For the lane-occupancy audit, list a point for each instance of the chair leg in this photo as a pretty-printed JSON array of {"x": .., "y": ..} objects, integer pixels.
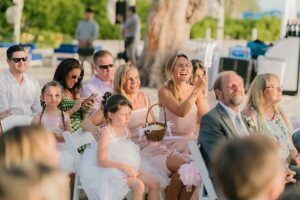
[{"x": 76, "y": 189}]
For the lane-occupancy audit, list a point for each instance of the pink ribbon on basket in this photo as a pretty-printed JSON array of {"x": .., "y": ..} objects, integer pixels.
[
  {"x": 170, "y": 124},
  {"x": 141, "y": 132}
]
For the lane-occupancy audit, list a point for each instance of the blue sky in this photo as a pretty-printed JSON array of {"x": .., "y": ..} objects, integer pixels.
[{"x": 274, "y": 4}]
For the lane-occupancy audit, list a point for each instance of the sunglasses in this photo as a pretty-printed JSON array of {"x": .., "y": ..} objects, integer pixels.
[
  {"x": 106, "y": 66},
  {"x": 76, "y": 77},
  {"x": 17, "y": 60}
]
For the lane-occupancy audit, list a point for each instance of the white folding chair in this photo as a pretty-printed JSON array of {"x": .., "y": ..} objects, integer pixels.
[
  {"x": 74, "y": 141},
  {"x": 15, "y": 120},
  {"x": 206, "y": 181}
]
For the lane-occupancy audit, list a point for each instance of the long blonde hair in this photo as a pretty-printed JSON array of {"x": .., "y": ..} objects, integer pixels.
[
  {"x": 21, "y": 144},
  {"x": 120, "y": 77},
  {"x": 169, "y": 69},
  {"x": 256, "y": 97}
]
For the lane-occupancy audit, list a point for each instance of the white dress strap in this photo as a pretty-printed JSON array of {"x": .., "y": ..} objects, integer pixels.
[
  {"x": 109, "y": 132},
  {"x": 127, "y": 132}
]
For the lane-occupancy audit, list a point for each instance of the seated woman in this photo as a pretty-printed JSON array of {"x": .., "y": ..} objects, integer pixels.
[
  {"x": 185, "y": 103},
  {"x": 263, "y": 114},
  {"x": 127, "y": 83},
  {"x": 200, "y": 71},
  {"x": 69, "y": 74}
]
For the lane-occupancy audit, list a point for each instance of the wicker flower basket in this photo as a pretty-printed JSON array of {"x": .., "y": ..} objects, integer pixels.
[{"x": 158, "y": 130}]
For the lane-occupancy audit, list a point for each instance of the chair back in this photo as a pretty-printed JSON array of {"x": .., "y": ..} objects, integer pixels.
[
  {"x": 15, "y": 120},
  {"x": 206, "y": 181},
  {"x": 75, "y": 140}
]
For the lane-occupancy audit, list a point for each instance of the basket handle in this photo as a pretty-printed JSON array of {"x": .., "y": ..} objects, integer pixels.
[{"x": 160, "y": 105}]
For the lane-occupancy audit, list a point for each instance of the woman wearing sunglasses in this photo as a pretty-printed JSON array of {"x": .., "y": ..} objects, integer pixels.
[{"x": 69, "y": 74}]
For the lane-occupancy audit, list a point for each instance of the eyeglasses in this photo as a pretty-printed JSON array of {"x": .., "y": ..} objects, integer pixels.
[
  {"x": 17, "y": 60},
  {"x": 106, "y": 66}
]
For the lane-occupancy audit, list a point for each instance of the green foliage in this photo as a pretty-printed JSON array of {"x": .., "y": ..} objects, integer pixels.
[
  {"x": 48, "y": 23},
  {"x": 143, "y": 8},
  {"x": 5, "y": 29},
  {"x": 58, "y": 16},
  {"x": 268, "y": 28},
  {"x": 198, "y": 29}
]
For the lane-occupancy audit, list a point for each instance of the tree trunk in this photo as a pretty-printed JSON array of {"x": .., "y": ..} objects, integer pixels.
[
  {"x": 168, "y": 27},
  {"x": 234, "y": 8}
]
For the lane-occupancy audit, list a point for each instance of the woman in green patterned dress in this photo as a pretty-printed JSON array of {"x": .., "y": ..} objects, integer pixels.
[{"x": 69, "y": 74}]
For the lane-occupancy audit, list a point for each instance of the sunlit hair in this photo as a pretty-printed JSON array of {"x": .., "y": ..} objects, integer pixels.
[
  {"x": 169, "y": 69},
  {"x": 100, "y": 54},
  {"x": 121, "y": 76},
  {"x": 112, "y": 102},
  {"x": 62, "y": 71},
  {"x": 256, "y": 97},
  {"x": 197, "y": 64},
  {"x": 219, "y": 80},
  {"x": 246, "y": 167},
  {"x": 11, "y": 50},
  {"x": 21, "y": 182},
  {"x": 23, "y": 143}
]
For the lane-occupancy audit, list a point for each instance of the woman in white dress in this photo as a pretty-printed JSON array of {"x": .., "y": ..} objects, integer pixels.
[{"x": 112, "y": 167}]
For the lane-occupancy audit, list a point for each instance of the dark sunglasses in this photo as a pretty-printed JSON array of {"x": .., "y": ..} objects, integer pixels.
[
  {"x": 16, "y": 60},
  {"x": 106, "y": 66},
  {"x": 76, "y": 77}
]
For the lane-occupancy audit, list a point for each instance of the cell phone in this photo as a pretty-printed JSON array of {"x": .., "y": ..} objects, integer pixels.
[{"x": 91, "y": 97}]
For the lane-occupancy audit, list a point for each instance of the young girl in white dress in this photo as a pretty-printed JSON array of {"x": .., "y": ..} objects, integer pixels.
[
  {"x": 113, "y": 166},
  {"x": 56, "y": 121}
]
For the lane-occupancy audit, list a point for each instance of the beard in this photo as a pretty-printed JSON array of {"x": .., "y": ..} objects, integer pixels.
[{"x": 236, "y": 100}]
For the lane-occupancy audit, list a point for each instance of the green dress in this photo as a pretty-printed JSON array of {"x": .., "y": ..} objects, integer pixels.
[
  {"x": 277, "y": 129},
  {"x": 77, "y": 117}
]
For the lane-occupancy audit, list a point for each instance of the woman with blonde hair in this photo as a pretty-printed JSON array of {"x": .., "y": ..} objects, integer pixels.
[
  {"x": 185, "y": 103},
  {"x": 263, "y": 114},
  {"x": 31, "y": 181},
  {"x": 163, "y": 163},
  {"x": 26, "y": 143}
]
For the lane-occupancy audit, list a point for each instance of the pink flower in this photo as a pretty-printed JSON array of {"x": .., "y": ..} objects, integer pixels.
[{"x": 189, "y": 175}]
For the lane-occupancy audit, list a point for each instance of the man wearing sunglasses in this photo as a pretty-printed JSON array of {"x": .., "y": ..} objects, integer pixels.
[
  {"x": 19, "y": 92},
  {"x": 102, "y": 81}
]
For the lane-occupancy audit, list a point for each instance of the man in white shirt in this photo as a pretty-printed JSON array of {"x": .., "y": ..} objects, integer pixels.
[
  {"x": 19, "y": 93},
  {"x": 102, "y": 81}
]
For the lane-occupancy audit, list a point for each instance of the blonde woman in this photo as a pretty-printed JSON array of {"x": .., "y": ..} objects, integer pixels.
[
  {"x": 27, "y": 143},
  {"x": 164, "y": 164},
  {"x": 33, "y": 180},
  {"x": 264, "y": 115},
  {"x": 185, "y": 103}
]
